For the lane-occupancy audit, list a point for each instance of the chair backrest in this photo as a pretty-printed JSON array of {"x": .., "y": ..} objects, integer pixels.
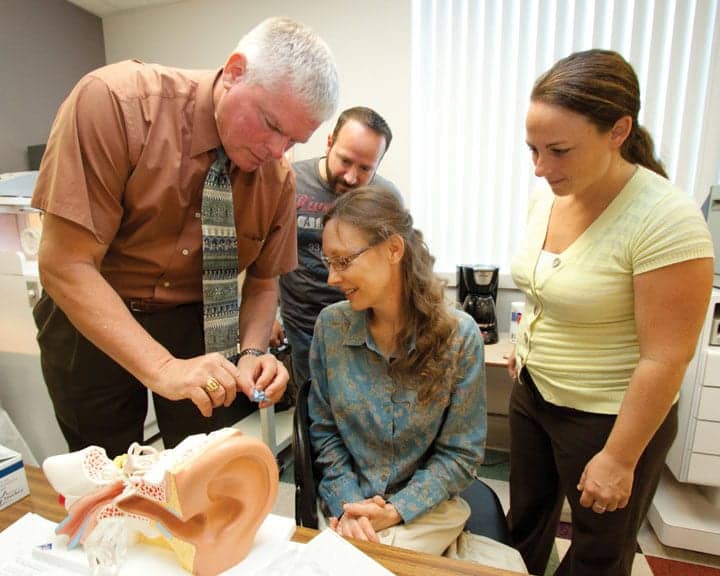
[
  {"x": 487, "y": 517},
  {"x": 305, "y": 483}
]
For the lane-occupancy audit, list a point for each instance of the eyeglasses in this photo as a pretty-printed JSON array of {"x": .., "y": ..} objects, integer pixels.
[{"x": 341, "y": 263}]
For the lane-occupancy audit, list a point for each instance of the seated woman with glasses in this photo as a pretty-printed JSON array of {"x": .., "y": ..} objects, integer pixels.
[{"x": 397, "y": 402}]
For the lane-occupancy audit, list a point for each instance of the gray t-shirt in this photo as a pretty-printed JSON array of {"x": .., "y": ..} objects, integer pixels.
[{"x": 304, "y": 291}]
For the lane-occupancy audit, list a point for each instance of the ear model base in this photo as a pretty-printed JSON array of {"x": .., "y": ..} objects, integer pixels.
[{"x": 216, "y": 503}]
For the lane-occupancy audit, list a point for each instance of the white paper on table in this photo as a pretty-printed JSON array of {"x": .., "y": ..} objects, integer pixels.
[
  {"x": 328, "y": 554},
  {"x": 338, "y": 556},
  {"x": 20, "y": 540},
  {"x": 16, "y": 543},
  {"x": 21, "y": 566}
]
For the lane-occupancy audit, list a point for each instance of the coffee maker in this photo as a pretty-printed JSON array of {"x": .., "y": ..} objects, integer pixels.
[{"x": 477, "y": 286}]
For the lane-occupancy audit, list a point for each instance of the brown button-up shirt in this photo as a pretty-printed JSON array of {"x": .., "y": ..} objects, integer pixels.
[{"x": 127, "y": 158}]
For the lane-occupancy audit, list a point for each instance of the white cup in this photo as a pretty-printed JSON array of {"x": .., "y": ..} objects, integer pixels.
[{"x": 517, "y": 309}]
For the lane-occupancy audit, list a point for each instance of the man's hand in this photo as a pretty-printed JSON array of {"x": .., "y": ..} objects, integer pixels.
[
  {"x": 277, "y": 336},
  {"x": 179, "y": 379},
  {"x": 262, "y": 373}
]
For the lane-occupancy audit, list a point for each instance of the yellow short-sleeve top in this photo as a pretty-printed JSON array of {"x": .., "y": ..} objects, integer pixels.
[{"x": 578, "y": 336}]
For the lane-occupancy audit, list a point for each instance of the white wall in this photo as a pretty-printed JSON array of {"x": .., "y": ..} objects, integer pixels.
[{"x": 370, "y": 41}]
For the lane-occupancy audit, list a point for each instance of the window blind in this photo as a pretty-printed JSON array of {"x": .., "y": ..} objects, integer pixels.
[{"x": 473, "y": 66}]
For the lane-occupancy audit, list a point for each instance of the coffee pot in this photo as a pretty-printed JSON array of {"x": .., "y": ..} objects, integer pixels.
[{"x": 477, "y": 293}]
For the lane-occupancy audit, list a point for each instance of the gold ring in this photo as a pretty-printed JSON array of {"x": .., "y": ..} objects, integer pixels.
[{"x": 211, "y": 385}]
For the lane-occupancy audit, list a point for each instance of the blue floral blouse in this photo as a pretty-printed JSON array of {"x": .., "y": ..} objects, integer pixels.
[{"x": 370, "y": 436}]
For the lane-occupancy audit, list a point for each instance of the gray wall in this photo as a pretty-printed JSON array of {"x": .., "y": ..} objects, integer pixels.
[{"x": 46, "y": 46}]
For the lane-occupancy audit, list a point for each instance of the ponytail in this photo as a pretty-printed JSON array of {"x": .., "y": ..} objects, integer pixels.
[{"x": 638, "y": 149}]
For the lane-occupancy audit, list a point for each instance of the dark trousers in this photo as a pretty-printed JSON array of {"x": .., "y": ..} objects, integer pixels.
[
  {"x": 299, "y": 341},
  {"x": 549, "y": 448},
  {"x": 99, "y": 403}
]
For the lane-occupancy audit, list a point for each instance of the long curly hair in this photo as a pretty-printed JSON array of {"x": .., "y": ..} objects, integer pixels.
[{"x": 428, "y": 367}]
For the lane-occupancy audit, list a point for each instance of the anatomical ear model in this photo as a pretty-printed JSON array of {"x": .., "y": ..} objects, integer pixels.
[{"x": 204, "y": 499}]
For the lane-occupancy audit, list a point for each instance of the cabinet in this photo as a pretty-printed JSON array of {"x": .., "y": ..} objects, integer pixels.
[{"x": 695, "y": 455}]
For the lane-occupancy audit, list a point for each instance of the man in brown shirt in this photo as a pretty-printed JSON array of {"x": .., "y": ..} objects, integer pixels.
[{"x": 121, "y": 252}]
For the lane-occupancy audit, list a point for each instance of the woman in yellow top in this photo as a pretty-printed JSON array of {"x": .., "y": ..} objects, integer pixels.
[{"x": 617, "y": 271}]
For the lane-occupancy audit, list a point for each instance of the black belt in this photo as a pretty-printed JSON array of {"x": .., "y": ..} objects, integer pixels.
[{"x": 148, "y": 306}]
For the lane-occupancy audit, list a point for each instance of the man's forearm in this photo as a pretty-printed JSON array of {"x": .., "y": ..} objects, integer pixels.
[{"x": 98, "y": 312}]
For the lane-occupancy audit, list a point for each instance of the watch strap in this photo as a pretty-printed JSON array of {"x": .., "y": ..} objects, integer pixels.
[{"x": 251, "y": 352}]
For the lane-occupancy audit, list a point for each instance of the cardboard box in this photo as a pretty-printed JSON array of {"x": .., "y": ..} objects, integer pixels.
[{"x": 13, "y": 482}]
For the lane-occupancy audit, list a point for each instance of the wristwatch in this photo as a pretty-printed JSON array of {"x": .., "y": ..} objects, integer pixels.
[{"x": 251, "y": 352}]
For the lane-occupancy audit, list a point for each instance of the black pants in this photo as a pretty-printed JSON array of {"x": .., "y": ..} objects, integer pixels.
[
  {"x": 549, "y": 448},
  {"x": 99, "y": 403}
]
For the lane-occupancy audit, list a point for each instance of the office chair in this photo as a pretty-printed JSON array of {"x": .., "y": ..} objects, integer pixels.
[
  {"x": 487, "y": 517},
  {"x": 305, "y": 482}
]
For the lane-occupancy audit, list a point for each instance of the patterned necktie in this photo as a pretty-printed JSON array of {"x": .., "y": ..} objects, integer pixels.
[{"x": 220, "y": 264}]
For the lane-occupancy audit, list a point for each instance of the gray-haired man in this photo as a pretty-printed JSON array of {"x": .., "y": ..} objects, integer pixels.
[{"x": 121, "y": 253}]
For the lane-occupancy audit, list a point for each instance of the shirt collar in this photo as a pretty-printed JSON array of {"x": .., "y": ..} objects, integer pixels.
[
  {"x": 358, "y": 334},
  {"x": 205, "y": 135}
]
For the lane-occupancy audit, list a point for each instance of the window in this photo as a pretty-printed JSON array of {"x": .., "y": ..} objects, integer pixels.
[{"x": 473, "y": 66}]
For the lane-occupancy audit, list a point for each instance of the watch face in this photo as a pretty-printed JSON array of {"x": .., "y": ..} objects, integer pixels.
[{"x": 30, "y": 241}]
